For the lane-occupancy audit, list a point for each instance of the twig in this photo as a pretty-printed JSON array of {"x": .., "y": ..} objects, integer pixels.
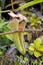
[
  {"x": 4, "y": 11},
  {"x": 17, "y": 31},
  {"x": 3, "y": 46}
]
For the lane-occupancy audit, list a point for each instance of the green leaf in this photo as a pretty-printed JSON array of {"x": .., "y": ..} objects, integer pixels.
[
  {"x": 37, "y": 43},
  {"x": 31, "y": 48},
  {"x": 2, "y": 24},
  {"x": 30, "y": 52},
  {"x": 37, "y": 54},
  {"x": 1, "y": 52},
  {"x": 25, "y": 59},
  {"x": 10, "y": 37},
  {"x": 40, "y": 48},
  {"x": 29, "y": 4}
]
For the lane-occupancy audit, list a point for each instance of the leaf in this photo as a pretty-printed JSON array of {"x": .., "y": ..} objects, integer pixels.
[
  {"x": 34, "y": 20},
  {"x": 31, "y": 48},
  {"x": 30, "y": 52},
  {"x": 26, "y": 5},
  {"x": 2, "y": 24},
  {"x": 40, "y": 48},
  {"x": 25, "y": 59},
  {"x": 1, "y": 52},
  {"x": 10, "y": 37},
  {"x": 37, "y": 43},
  {"x": 37, "y": 54}
]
